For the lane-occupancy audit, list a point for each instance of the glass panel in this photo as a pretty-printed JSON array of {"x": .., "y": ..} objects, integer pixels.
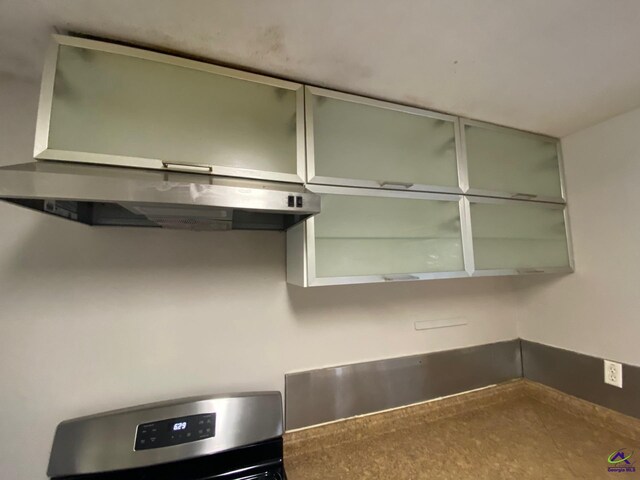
[
  {"x": 512, "y": 162},
  {"x": 356, "y": 141},
  {"x": 518, "y": 235},
  {"x": 120, "y": 105},
  {"x": 358, "y": 235}
]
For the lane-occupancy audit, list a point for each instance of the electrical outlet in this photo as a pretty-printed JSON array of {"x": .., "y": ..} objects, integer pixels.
[{"x": 613, "y": 373}]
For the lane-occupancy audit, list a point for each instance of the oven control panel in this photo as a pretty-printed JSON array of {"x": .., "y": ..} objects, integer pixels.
[{"x": 175, "y": 431}]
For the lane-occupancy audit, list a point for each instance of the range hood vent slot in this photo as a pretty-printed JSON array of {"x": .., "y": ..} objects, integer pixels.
[{"x": 186, "y": 218}]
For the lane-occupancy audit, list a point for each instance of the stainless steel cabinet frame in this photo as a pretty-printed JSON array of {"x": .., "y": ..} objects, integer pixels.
[
  {"x": 383, "y": 183},
  {"x": 521, "y": 271},
  {"x": 469, "y": 190},
  {"x": 301, "y": 248},
  {"x": 42, "y": 150}
]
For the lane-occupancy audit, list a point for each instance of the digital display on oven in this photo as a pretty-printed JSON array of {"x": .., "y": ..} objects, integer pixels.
[
  {"x": 179, "y": 426},
  {"x": 175, "y": 431}
]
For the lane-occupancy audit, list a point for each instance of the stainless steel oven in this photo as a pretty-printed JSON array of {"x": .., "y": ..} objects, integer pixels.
[{"x": 235, "y": 436}]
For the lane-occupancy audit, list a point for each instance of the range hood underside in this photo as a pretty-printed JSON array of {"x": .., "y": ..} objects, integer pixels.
[{"x": 121, "y": 215}]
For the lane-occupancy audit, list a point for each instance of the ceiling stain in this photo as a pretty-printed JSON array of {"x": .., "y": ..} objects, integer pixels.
[{"x": 270, "y": 43}]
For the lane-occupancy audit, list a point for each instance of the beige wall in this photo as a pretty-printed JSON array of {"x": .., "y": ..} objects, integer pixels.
[
  {"x": 99, "y": 318},
  {"x": 595, "y": 310}
]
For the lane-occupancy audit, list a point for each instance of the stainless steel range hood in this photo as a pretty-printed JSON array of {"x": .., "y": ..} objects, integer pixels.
[{"x": 115, "y": 196}]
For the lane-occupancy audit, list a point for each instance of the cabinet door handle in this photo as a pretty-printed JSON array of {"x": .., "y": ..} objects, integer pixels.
[
  {"x": 397, "y": 278},
  {"x": 187, "y": 167},
  {"x": 386, "y": 183},
  {"x": 529, "y": 196}
]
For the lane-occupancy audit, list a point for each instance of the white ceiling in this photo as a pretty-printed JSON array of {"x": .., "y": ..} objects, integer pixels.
[{"x": 553, "y": 66}]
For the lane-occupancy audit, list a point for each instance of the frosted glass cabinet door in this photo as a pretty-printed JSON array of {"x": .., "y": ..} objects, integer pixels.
[
  {"x": 355, "y": 141},
  {"x": 519, "y": 237},
  {"x": 512, "y": 164},
  {"x": 364, "y": 238},
  {"x": 105, "y": 103}
]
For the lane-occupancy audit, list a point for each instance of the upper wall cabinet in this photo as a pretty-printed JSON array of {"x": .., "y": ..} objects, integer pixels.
[
  {"x": 512, "y": 237},
  {"x": 110, "y": 104},
  {"x": 366, "y": 236},
  {"x": 508, "y": 163},
  {"x": 356, "y": 141}
]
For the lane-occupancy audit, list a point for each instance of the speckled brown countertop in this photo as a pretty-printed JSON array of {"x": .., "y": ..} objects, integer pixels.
[{"x": 515, "y": 430}]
